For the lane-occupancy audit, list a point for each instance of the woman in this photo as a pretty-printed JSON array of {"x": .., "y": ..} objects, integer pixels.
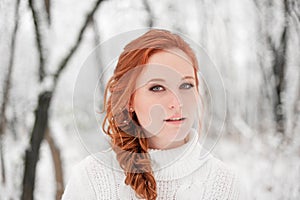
[{"x": 151, "y": 105}]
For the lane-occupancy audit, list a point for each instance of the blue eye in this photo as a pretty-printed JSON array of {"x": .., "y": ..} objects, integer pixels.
[
  {"x": 186, "y": 86},
  {"x": 157, "y": 88}
]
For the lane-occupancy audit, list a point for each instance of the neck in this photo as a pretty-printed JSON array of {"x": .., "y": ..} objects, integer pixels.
[{"x": 154, "y": 143}]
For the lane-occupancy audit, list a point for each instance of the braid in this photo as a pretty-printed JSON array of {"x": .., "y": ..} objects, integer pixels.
[{"x": 130, "y": 145}]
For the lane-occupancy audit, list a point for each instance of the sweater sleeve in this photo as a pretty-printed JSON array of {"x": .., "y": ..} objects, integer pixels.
[{"x": 79, "y": 186}]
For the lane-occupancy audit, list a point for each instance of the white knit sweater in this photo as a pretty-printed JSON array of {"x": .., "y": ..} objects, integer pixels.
[{"x": 186, "y": 172}]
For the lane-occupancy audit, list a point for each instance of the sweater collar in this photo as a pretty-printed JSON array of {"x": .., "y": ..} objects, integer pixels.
[
  {"x": 167, "y": 164},
  {"x": 178, "y": 162}
]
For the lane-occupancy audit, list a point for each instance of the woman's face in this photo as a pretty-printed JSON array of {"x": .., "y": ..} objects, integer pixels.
[{"x": 165, "y": 98}]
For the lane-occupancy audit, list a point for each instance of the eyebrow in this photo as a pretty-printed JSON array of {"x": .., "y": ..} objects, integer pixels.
[
  {"x": 188, "y": 77},
  {"x": 163, "y": 80},
  {"x": 156, "y": 79}
]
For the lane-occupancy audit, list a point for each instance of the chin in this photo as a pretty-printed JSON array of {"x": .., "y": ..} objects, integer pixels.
[{"x": 178, "y": 134}]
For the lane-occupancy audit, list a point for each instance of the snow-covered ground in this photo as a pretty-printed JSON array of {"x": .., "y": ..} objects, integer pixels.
[{"x": 267, "y": 172}]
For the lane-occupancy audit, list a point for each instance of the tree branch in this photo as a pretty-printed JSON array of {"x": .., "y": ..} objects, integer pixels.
[
  {"x": 7, "y": 83},
  {"x": 55, "y": 152},
  {"x": 98, "y": 54},
  {"x": 48, "y": 10},
  {"x": 10, "y": 69},
  {"x": 151, "y": 16},
  {"x": 38, "y": 37},
  {"x": 65, "y": 61}
]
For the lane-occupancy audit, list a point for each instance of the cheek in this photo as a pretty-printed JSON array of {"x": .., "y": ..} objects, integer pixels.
[
  {"x": 190, "y": 104},
  {"x": 149, "y": 111},
  {"x": 142, "y": 107},
  {"x": 142, "y": 110}
]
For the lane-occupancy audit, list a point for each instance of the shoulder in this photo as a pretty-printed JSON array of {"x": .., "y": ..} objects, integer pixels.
[
  {"x": 220, "y": 168},
  {"x": 100, "y": 167},
  {"x": 79, "y": 185},
  {"x": 90, "y": 178},
  {"x": 101, "y": 162}
]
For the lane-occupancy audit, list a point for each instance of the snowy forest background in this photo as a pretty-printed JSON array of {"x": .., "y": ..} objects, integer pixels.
[{"x": 255, "y": 44}]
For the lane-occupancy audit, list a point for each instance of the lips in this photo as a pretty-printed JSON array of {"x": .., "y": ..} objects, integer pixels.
[{"x": 175, "y": 119}]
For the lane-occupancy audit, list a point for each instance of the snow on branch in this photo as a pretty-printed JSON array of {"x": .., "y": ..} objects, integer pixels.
[{"x": 65, "y": 61}]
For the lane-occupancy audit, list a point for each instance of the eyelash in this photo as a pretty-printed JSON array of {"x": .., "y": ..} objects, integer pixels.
[
  {"x": 152, "y": 89},
  {"x": 189, "y": 84}
]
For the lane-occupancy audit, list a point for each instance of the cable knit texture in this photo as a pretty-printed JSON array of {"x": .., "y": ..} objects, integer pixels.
[{"x": 186, "y": 172}]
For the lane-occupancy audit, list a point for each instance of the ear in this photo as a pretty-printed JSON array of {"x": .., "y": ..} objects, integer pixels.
[{"x": 131, "y": 103}]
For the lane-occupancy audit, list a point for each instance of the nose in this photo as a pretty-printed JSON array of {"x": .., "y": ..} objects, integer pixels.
[{"x": 174, "y": 102}]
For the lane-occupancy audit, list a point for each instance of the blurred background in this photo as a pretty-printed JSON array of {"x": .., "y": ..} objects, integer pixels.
[{"x": 254, "y": 44}]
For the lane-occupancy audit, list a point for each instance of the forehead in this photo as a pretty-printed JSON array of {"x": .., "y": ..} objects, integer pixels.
[
  {"x": 171, "y": 65},
  {"x": 175, "y": 59}
]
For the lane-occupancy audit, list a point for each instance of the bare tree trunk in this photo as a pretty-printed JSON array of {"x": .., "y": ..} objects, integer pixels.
[
  {"x": 295, "y": 17},
  {"x": 2, "y": 161},
  {"x": 279, "y": 69},
  {"x": 44, "y": 100},
  {"x": 57, "y": 164},
  {"x": 279, "y": 65},
  {"x": 41, "y": 117},
  {"x": 6, "y": 89},
  {"x": 32, "y": 153}
]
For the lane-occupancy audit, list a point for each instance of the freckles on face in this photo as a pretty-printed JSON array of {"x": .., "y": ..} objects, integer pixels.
[{"x": 166, "y": 89}]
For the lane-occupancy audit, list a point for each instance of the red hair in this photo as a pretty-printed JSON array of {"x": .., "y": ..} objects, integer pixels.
[{"x": 127, "y": 137}]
